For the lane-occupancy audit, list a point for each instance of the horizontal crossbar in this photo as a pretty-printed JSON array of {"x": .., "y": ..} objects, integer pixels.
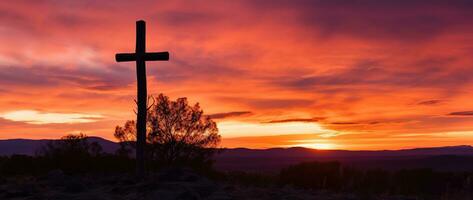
[
  {"x": 157, "y": 56},
  {"x": 123, "y": 57}
]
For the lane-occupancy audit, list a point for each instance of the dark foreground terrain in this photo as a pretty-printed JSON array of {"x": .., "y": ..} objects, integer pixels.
[
  {"x": 170, "y": 184},
  {"x": 76, "y": 168}
]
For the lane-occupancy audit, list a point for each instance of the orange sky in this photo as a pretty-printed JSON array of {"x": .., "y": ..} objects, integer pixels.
[{"x": 324, "y": 74}]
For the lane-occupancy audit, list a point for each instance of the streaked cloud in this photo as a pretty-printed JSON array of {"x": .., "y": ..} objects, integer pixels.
[
  {"x": 372, "y": 69},
  {"x": 36, "y": 117},
  {"x": 462, "y": 113},
  {"x": 229, "y": 114},
  {"x": 344, "y": 123},
  {"x": 314, "y": 119},
  {"x": 430, "y": 102}
]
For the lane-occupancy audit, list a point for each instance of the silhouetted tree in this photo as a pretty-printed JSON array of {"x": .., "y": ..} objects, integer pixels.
[
  {"x": 71, "y": 152},
  {"x": 177, "y": 133},
  {"x": 70, "y": 145}
]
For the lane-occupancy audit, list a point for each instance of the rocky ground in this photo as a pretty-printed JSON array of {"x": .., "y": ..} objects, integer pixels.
[{"x": 171, "y": 184}]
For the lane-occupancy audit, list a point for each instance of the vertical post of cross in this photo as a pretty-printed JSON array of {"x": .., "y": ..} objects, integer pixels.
[
  {"x": 141, "y": 56},
  {"x": 142, "y": 97}
]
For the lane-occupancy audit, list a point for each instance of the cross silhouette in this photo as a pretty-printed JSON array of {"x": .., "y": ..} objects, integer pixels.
[{"x": 141, "y": 56}]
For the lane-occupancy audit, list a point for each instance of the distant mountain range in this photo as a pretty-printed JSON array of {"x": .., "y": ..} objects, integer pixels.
[
  {"x": 29, "y": 146},
  {"x": 273, "y": 159},
  {"x": 450, "y": 158}
]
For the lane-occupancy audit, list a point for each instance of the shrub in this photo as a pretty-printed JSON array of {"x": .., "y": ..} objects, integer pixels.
[
  {"x": 177, "y": 134},
  {"x": 315, "y": 175}
]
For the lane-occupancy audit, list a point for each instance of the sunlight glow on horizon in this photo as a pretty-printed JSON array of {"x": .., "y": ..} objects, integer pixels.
[
  {"x": 241, "y": 129},
  {"x": 318, "y": 146},
  {"x": 315, "y": 144},
  {"x": 36, "y": 117}
]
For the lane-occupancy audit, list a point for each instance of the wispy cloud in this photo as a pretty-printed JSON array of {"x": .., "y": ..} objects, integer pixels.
[
  {"x": 314, "y": 119},
  {"x": 379, "y": 66},
  {"x": 462, "y": 113},
  {"x": 229, "y": 114},
  {"x": 345, "y": 123},
  {"x": 36, "y": 117},
  {"x": 429, "y": 102}
]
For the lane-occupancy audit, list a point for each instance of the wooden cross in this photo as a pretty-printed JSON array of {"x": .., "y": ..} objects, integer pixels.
[{"x": 141, "y": 56}]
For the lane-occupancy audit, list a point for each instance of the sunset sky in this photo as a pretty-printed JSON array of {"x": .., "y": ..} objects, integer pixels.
[{"x": 329, "y": 74}]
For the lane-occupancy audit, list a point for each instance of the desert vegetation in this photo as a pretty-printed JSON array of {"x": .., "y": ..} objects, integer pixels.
[
  {"x": 333, "y": 176},
  {"x": 73, "y": 154},
  {"x": 177, "y": 134},
  {"x": 309, "y": 178}
]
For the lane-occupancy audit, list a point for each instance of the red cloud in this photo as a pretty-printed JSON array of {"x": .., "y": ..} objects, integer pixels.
[{"x": 349, "y": 62}]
